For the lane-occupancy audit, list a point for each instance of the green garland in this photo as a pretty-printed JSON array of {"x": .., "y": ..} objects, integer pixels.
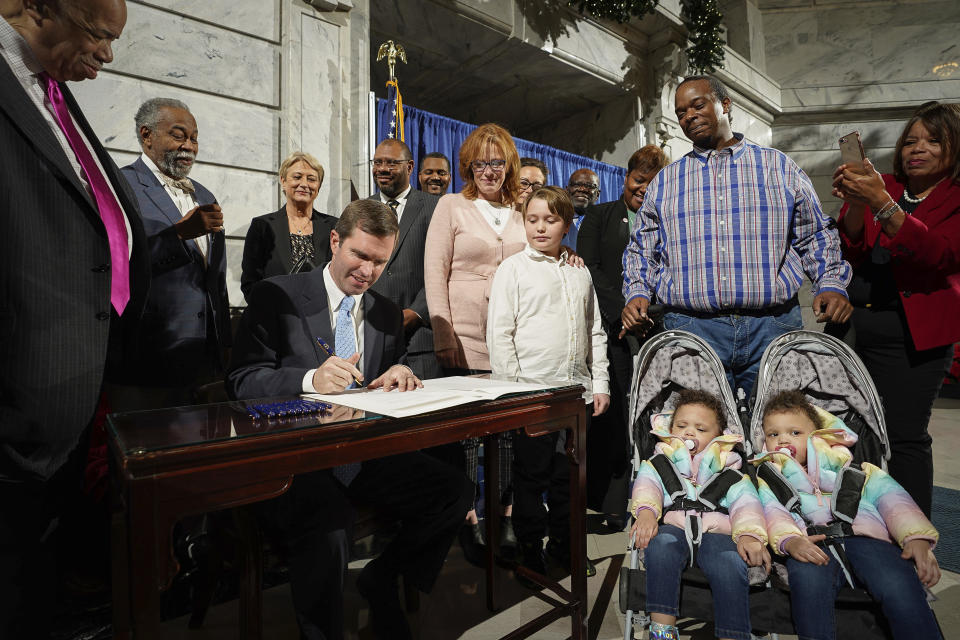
[
  {"x": 705, "y": 33},
  {"x": 618, "y": 10},
  {"x": 702, "y": 18}
]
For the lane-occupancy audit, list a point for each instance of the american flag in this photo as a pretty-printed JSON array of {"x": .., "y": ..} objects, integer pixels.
[{"x": 396, "y": 110}]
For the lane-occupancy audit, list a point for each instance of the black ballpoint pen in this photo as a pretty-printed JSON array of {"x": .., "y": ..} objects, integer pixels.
[{"x": 327, "y": 350}]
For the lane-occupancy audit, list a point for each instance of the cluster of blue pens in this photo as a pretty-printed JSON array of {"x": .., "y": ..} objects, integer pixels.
[{"x": 287, "y": 408}]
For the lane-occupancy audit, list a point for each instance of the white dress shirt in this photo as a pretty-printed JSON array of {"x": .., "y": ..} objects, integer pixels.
[
  {"x": 543, "y": 323},
  {"x": 19, "y": 57},
  {"x": 185, "y": 202},
  {"x": 401, "y": 200},
  {"x": 334, "y": 297}
]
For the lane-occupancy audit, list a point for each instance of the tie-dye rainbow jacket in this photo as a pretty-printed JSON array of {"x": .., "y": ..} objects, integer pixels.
[
  {"x": 886, "y": 511},
  {"x": 746, "y": 513}
]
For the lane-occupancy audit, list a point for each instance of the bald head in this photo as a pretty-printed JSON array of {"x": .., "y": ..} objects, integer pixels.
[
  {"x": 584, "y": 188},
  {"x": 72, "y": 39}
]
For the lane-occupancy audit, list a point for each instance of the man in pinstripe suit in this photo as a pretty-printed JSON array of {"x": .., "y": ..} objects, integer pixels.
[
  {"x": 402, "y": 279},
  {"x": 73, "y": 277}
]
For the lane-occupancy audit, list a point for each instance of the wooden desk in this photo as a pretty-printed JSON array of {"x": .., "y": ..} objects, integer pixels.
[{"x": 173, "y": 463}]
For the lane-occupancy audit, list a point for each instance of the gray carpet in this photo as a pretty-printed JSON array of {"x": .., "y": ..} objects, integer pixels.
[{"x": 946, "y": 518}]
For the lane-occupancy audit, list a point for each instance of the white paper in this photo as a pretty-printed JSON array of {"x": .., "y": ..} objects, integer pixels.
[{"x": 438, "y": 393}]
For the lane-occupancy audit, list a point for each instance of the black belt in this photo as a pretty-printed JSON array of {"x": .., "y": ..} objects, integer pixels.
[{"x": 775, "y": 310}]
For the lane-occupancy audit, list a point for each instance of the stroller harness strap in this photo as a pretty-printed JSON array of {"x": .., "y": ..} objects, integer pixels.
[
  {"x": 708, "y": 497},
  {"x": 844, "y": 504}
]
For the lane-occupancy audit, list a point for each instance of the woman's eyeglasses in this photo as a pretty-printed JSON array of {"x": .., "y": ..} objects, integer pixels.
[
  {"x": 526, "y": 184},
  {"x": 479, "y": 166}
]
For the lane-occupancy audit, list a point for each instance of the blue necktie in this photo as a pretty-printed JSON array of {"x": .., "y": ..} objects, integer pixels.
[
  {"x": 345, "y": 344},
  {"x": 345, "y": 340}
]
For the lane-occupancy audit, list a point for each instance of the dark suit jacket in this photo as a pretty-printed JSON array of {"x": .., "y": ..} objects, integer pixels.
[
  {"x": 402, "y": 277},
  {"x": 58, "y": 332},
  {"x": 187, "y": 316},
  {"x": 266, "y": 250},
  {"x": 275, "y": 344},
  {"x": 603, "y": 238}
]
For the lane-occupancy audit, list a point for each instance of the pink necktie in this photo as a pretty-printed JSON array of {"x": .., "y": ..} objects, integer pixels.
[{"x": 110, "y": 212}]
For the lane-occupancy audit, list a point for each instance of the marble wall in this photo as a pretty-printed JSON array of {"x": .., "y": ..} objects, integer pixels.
[
  {"x": 262, "y": 79},
  {"x": 860, "y": 65}
]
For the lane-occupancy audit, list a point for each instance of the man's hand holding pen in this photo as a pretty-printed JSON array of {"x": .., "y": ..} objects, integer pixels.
[{"x": 336, "y": 374}]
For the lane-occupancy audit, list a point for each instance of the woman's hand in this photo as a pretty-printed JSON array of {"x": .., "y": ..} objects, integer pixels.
[
  {"x": 922, "y": 555},
  {"x": 573, "y": 259},
  {"x": 644, "y": 528},
  {"x": 805, "y": 549},
  {"x": 850, "y": 185},
  {"x": 450, "y": 359}
]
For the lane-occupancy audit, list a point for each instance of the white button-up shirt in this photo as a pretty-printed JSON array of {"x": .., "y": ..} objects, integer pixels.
[
  {"x": 334, "y": 297},
  {"x": 543, "y": 322},
  {"x": 401, "y": 200}
]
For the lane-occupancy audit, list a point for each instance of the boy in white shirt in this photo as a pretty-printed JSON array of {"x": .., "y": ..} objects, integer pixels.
[{"x": 543, "y": 322}]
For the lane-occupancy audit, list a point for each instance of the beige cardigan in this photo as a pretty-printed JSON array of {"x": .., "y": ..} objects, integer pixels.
[{"x": 461, "y": 256}]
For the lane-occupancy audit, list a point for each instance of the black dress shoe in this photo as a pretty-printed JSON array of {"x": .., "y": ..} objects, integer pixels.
[
  {"x": 380, "y": 590},
  {"x": 473, "y": 544},
  {"x": 508, "y": 539},
  {"x": 531, "y": 557},
  {"x": 558, "y": 553}
]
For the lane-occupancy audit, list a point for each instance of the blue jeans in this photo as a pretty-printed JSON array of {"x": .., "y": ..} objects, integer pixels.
[
  {"x": 877, "y": 566},
  {"x": 667, "y": 556},
  {"x": 739, "y": 340}
]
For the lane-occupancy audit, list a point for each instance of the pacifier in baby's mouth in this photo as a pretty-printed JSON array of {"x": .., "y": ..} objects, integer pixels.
[
  {"x": 789, "y": 450},
  {"x": 691, "y": 444}
]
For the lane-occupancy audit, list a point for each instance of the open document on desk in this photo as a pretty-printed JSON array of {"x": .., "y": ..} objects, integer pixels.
[{"x": 438, "y": 393}]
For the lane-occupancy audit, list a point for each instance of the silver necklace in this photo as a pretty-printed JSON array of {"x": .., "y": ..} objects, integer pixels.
[
  {"x": 301, "y": 229},
  {"x": 493, "y": 211}
]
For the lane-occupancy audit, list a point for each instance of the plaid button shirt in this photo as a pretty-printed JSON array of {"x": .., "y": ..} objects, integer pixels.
[{"x": 731, "y": 229}]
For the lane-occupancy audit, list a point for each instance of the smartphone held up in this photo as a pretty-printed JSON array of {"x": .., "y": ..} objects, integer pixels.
[{"x": 851, "y": 152}]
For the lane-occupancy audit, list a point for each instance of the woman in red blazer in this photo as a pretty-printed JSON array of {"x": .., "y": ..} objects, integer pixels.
[{"x": 901, "y": 233}]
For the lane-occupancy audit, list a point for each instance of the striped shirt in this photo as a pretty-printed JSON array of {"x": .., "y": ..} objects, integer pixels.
[{"x": 731, "y": 229}]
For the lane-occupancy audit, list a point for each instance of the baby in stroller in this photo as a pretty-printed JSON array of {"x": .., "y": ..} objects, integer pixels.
[
  {"x": 808, "y": 487},
  {"x": 712, "y": 516}
]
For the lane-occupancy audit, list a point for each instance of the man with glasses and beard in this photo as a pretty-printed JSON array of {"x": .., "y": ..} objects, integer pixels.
[
  {"x": 402, "y": 278},
  {"x": 186, "y": 323}
]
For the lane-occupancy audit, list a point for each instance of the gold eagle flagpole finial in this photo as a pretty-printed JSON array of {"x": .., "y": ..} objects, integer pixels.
[{"x": 391, "y": 52}]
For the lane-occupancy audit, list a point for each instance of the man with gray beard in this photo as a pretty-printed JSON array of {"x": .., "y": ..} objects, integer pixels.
[{"x": 186, "y": 323}]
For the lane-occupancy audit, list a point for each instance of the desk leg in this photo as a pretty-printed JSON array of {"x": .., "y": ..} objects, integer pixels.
[
  {"x": 576, "y": 452},
  {"x": 491, "y": 479},
  {"x": 120, "y": 571},
  {"x": 150, "y": 558}
]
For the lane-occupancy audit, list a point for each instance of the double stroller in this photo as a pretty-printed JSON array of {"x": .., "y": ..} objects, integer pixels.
[{"x": 831, "y": 376}]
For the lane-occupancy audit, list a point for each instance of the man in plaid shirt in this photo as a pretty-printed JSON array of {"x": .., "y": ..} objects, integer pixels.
[{"x": 725, "y": 237}]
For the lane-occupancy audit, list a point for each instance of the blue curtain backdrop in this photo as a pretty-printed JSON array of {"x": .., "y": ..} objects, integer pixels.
[{"x": 427, "y": 132}]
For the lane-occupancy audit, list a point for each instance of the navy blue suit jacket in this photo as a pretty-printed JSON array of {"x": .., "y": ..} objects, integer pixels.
[
  {"x": 187, "y": 316},
  {"x": 275, "y": 344}
]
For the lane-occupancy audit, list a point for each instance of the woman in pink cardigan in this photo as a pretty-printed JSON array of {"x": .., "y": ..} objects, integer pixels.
[{"x": 470, "y": 234}]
